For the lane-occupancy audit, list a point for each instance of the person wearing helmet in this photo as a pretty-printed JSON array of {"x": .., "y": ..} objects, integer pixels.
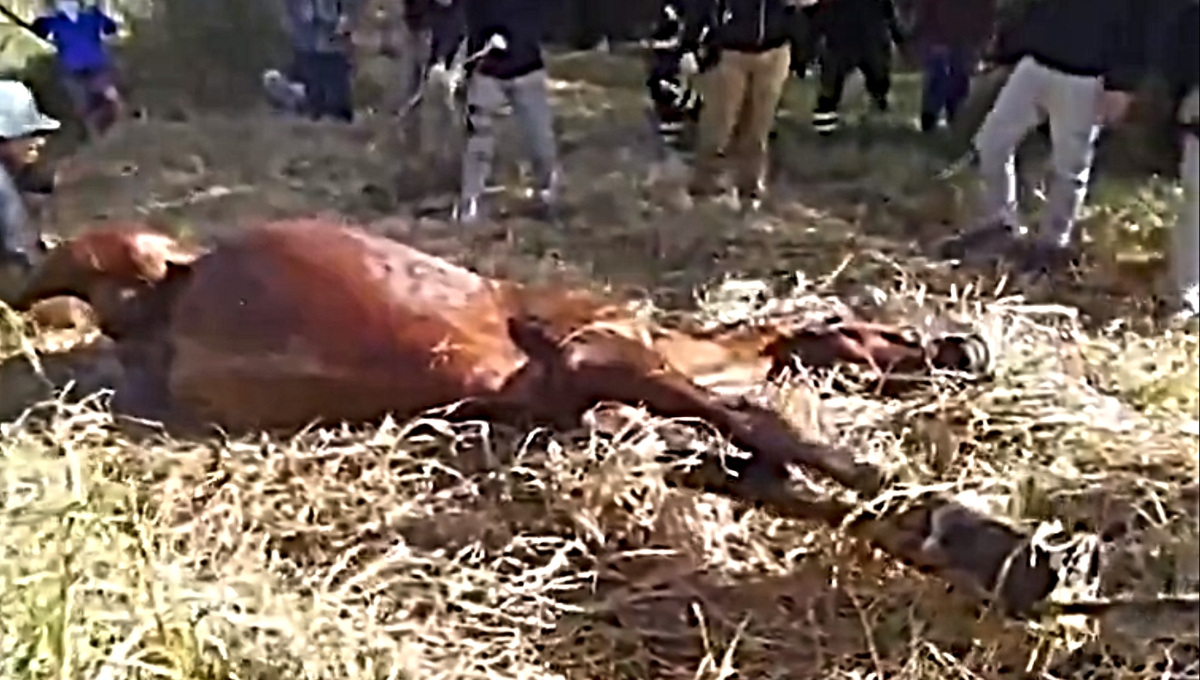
[{"x": 23, "y": 128}]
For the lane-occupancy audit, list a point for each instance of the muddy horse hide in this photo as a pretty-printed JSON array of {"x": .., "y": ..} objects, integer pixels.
[{"x": 289, "y": 323}]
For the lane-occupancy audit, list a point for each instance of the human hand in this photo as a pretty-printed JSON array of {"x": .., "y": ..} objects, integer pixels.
[
  {"x": 688, "y": 66},
  {"x": 1113, "y": 106},
  {"x": 497, "y": 43}
]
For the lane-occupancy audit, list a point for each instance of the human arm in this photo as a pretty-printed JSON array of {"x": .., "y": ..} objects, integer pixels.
[
  {"x": 108, "y": 26},
  {"x": 892, "y": 20},
  {"x": 698, "y": 17},
  {"x": 42, "y": 27}
]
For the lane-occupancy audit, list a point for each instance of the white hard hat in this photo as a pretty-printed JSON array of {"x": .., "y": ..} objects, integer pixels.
[{"x": 19, "y": 113}]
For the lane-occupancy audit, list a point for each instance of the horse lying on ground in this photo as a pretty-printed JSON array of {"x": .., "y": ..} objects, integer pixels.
[{"x": 290, "y": 323}]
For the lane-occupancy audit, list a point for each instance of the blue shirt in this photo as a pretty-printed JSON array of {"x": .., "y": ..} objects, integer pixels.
[{"x": 80, "y": 43}]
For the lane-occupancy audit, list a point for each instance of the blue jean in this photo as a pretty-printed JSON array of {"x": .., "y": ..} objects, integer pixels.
[{"x": 947, "y": 81}]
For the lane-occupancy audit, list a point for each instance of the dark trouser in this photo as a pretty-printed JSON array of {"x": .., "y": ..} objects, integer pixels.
[
  {"x": 93, "y": 96},
  {"x": 327, "y": 88},
  {"x": 947, "y": 81},
  {"x": 836, "y": 66}
]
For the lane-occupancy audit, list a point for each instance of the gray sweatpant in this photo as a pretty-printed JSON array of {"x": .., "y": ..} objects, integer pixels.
[
  {"x": 530, "y": 100},
  {"x": 1033, "y": 93},
  {"x": 1185, "y": 251}
]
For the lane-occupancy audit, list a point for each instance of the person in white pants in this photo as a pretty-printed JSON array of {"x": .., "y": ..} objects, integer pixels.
[
  {"x": 1076, "y": 64},
  {"x": 505, "y": 65}
]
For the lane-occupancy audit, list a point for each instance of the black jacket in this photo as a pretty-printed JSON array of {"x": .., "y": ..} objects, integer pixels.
[
  {"x": 740, "y": 25},
  {"x": 520, "y": 22},
  {"x": 1175, "y": 46},
  {"x": 856, "y": 27},
  {"x": 1106, "y": 38}
]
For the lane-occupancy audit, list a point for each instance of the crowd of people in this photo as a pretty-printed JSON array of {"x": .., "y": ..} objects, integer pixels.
[{"x": 1075, "y": 64}]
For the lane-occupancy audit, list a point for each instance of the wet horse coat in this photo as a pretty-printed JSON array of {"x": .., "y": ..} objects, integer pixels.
[{"x": 294, "y": 322}]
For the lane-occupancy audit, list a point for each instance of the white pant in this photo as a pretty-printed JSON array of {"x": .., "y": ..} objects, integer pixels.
[
  {"x": 1033, "y": 93},
  {"x": 1185, "y": 251},
  {"x": 530, "y": 100}
]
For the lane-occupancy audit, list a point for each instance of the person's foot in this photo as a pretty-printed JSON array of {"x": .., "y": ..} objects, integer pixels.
[
  {"x": 928, "y": 123},
  {"x": 546, "y": 207},
  {"x": 989, "y": 241},
  {"x": 751, "y": 200},
  {"x": 468, "y": 211}
]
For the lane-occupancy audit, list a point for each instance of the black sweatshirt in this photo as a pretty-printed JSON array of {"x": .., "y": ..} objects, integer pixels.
[
  {"x": 1105, "y": 38},
  {"x": 522, "y": 25},
  {"x": 740, "y": 25}
]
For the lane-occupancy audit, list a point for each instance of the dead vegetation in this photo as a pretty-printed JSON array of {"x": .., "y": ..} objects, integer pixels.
[{"x": 426, "y": 550}]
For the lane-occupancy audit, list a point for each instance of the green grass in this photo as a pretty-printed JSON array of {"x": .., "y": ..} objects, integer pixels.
[{"x": 447, "y": 552}]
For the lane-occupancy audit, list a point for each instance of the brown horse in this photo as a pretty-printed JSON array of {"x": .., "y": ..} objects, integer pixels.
[{"x": 290, "y": 323}]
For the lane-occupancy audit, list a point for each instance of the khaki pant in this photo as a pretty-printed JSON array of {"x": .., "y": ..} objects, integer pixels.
[{"x": 741, "y": 95}]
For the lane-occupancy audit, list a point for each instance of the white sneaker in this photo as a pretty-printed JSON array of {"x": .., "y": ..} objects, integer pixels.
[{"x": 467, "y": 211}]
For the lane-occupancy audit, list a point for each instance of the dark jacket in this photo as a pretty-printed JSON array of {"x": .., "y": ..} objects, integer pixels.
[
  {"x": 444, "y": 23},
  {"x": 739, "y": 25},
  {"x": 1105, "y": 38},
  {"x": 522, "y": 25},
  {"x": 1175, "y": 58},
  {"x": 20, "y": 238},
  {"x": 857, "y": 27},
  {"x": 958, "y": 24}
]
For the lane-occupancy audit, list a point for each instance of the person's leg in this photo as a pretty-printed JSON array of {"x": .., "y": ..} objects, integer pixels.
[
  {"x": 934, "y": 86},
  {"x": 1185, "y": 250},
  {"x": 485, "y": 98},
  {"x": 959, "y": 65},
  {"x": 339, "y": 75},
  {"x": 75, "y": 86},
  {"x": 1016, "y": 111},
  {"x": 835, "y": 67},
  {"x": 724, "y": 95},
  {"x": 768, "y": 74},
  {"x": 535, "y": 117},
  {"x": 1073, "y": 106},
  {"x": 308, "y": 72},
  {"x": 876, "y": 67}
]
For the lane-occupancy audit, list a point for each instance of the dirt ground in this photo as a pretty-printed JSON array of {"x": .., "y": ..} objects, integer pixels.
[{"x": 397, "y": 553}]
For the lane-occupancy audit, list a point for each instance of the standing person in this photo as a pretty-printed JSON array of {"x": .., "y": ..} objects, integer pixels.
[
  {"x": 950, "y": 36},
  {"x": 86, "y": 69},
  {"x": 23, "y": 128},
  {"x": 1177, "y": 60},
  {"x": 674, "y": 102},
  {"x": 505, "y": 65},
  {"x": 435, "y": 29},
  {"x": 321, "y": 45},
  {"x": 1077, "y": 64},
  {"x": 752, "y": 43},
  {"x": 858, "y": 35}
]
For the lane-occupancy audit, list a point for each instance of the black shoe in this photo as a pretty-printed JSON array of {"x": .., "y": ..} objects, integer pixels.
[{"x": 987, "y": 242}]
